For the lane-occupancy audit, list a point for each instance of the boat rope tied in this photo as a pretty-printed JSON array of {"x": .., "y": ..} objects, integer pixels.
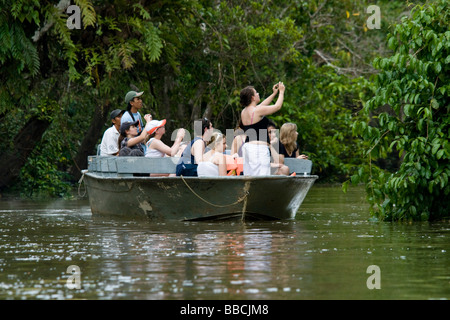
[
  {"x": 79, "y": 186},
  {"x": 246, "y": 193}
]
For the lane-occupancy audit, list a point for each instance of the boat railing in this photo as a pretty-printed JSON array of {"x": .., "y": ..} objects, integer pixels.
[
  {"x": 133, "y": 166},
  {"x": 299, "y": 166}
]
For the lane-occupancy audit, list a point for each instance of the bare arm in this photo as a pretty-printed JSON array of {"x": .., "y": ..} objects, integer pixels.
[
  {"x": 197, "y": 150},
  {"x": 277, "y": 158},
  {"x": 269, "y": 99},
  {"x": 143, "y": 136},
  {"x": 221, "y": 162},
  {"x": 170, "y": 151},
  {"x": 238, "y": 141},
  {"x": 265, "y": 110},
  {"x": 223, "y": 167},
  {"x": 140, "y": 138}
]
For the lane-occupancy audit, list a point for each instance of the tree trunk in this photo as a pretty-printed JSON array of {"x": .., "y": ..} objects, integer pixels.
[
  {"x": 196, "y": 102},
  {"x": 25, "y": 141},
  {"x": 87, "y": 147}
]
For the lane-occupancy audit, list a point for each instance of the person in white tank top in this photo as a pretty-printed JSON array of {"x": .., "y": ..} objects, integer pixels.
[
  {"x": 155, "y": 147},
  {"x": 158, "y": 149},
  {"x": 213, "y": 162}
]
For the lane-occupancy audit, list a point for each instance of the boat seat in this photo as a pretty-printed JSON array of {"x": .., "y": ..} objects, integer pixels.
[
  {"x": 129, "y": 166},
  {"x": 299, "y": 166},
  {"x": 146, "y": 165}
]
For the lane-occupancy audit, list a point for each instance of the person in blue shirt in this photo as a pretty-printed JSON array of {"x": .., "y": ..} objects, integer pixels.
[{"x": 134, "y": 103}]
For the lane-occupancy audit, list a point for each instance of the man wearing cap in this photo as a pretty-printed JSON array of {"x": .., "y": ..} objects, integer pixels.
[
  {"x": 134, "y": 104},
  {"x": 110, "y": 140}
]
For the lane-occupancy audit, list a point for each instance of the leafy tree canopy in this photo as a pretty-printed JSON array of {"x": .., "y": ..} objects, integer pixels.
[{"x": 409, "y": 116}]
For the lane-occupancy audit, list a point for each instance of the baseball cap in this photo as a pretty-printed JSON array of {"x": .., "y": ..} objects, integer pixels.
[
  {"x": 116, "y": 113},
  {"x": 126, "y": 126},
  {"x": 132, "y": 94},
  {"x": 155, "y": 124}
]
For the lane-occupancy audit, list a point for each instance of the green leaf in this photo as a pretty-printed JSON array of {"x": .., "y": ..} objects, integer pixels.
[
  {"x": 437, "y": 67},
  {"x": 345, "y": 186},
  {"x": 435, "y": 148},
  {"x": 434, "y": 104}
]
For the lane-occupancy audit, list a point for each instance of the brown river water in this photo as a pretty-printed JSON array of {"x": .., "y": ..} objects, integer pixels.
[{"x": 58, "y": 250}]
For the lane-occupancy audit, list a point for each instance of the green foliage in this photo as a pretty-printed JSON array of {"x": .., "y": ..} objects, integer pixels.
[
  {"x": 41, "y": 177},
  {"x": 191, "y": 58},
  {"x": 410, "y": 108},
  {"x": 87, "y": 12},
  {"x": 14, "y": 43}
]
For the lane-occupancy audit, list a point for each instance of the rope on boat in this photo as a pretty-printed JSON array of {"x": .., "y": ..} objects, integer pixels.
[
  {"x": 79, "y": 186},
  {"x": 246, "y": 193},
  {"x": 244, "y": 207}
]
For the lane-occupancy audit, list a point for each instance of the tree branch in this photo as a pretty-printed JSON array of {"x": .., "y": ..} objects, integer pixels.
[{"x": 62, "y": 7}]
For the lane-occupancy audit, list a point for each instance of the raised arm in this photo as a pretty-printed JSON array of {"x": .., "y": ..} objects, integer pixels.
[
  {"x": 197, "y": 150},
  {"x": 269, "y": 99},
  {"x": 144, "y": 134},
  {"x": 265, "y": 110},
  {"x": 140, "y": 138},
  {"x": 170, "y": 151}
]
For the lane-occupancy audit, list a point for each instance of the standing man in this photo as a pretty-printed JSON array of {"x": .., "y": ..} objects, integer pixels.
[
  {"x": 134, "y": 104},
  {"x": 110, "y": 140}
]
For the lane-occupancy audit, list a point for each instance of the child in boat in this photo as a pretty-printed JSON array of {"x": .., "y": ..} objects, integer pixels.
[
  {"x": 132, "y": 143},
  {"x": 155, "y": 147},
  {"x": 213, "y": 162},
  {"x": 288, "y": 142}
]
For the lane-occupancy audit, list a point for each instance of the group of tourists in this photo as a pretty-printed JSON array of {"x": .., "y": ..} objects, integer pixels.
[{"x": 255, "y": 140}]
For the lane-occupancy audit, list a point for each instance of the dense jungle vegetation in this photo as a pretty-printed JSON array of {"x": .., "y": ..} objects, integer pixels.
[{"x": 371, "y": 105}]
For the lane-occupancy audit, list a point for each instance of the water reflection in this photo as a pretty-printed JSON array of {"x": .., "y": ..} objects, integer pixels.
[
  {"x": 324, "y": 254},
  {"x": 186, "y": 260}
]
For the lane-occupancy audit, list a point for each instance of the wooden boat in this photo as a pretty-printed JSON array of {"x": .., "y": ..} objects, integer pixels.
[{"x": 122, "y": 186}]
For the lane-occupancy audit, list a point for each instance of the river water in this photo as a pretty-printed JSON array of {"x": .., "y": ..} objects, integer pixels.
[{"x": 58, "y": 250}]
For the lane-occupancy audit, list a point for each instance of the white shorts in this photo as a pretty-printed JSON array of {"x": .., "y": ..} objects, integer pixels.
[{"x": 256, "y": 159}]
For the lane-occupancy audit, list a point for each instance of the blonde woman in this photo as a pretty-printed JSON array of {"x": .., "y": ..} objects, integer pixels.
[
  {"x": 288, "y": 142},
  {"x": 213, "y": 161}
]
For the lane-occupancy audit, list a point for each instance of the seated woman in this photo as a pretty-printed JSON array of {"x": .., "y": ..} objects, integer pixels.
[
  {"x": 130, "y": 143},
  {"x": 213, "y": 162},
  {"x": 155, "y": 147},
  {"x": 277, "y": 166},
  {"x": 288, "y": 142},
  {"x": 238, "y": 141},
  {"x": 193, "y": 153}
]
